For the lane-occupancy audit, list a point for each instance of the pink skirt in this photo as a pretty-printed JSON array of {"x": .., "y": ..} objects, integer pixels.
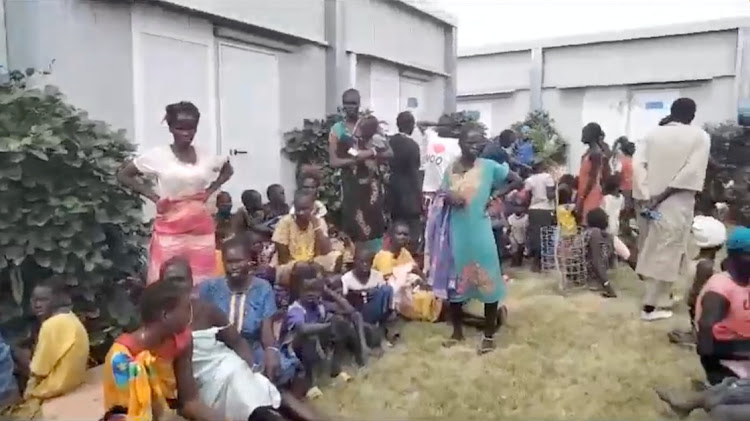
[{"x": 183, "y": 228}]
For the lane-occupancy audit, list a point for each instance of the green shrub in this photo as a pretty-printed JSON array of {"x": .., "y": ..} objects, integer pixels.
[
  {"x": 63, "y": 213},
  {"x": 308, "y": 149},
  {"x": 549, "y": 145}
]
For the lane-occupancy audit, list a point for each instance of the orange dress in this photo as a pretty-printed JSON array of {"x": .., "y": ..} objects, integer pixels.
[
  {"x": 626, "y": 183},
  {"x": 594, "y": 198}
]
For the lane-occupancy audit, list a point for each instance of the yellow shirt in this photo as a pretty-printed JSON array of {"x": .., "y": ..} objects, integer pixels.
[
  {"x": 60, "y": 358},
  {"x": 566, "y": 220},
  {"x": 385, "y": 261},
  {"x": 301, "y": 242}
]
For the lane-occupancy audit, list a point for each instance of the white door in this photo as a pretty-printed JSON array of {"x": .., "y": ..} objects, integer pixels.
[
  {"x": 173, "y": 60},
  {"x": 647, "y": 108},
  {"x": 384, "y": 93},
  {"x": 483, "y": 108},
  {"x": 249, "y": 117},
  {"x": 412, "y": 97}
]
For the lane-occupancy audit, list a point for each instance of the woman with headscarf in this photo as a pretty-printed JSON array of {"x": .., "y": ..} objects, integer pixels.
[
  {"x": 186, "y": 176},
  {"x": 594, "y": 166},
  {"x": 356, "y": 147},
  {"x": 464, "y": 263}
]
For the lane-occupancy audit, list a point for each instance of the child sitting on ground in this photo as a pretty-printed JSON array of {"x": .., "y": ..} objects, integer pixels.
[
  {"x": 413, "y": 298},
  {"x": 366, "y": 290},
  {"x": 313, "y": 329},
  {"x": 709, "y": 235},
  {"x": 518, "y": 223}
]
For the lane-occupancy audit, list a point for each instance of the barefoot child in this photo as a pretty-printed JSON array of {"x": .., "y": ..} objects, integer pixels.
[
  {"x": 413, "y": 298},
  {"x": 313, "y": 328},
  {"x": 367, "y": 291}
]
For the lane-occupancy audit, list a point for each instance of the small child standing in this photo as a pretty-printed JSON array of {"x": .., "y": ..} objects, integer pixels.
[
  {"x": 613, "y": 204},
  {"x": 709, "y": 235},
  {"x": 518, "y": 222}
]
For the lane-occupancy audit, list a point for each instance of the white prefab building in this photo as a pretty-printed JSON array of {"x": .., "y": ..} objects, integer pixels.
[
  {"x": 255, "y": 68},
  {"x": 626, "y": 81}
]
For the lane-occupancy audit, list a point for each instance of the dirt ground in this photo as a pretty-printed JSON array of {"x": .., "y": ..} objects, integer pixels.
[{"x": 580, "y": 357}]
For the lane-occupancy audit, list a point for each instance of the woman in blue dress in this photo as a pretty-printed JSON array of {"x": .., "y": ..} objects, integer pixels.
[
  {"x": 468, "y": 185},
  {"x": 250, "y": 305}
]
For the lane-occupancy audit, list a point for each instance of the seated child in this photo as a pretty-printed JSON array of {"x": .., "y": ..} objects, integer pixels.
[
  {"x": 413, "y": 298},
  {"x": 709, "y": 235},
  {"x": 518, "y": 223},
  {"x": 60, "y": 358},
  {"x": 302, "y": 237},
  {"x": 367, "y": 291},
  {"x": 313, "y": 328}
]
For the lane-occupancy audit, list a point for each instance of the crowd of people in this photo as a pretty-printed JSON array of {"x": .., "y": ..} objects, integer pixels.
[{"x": 245, "y": 310}]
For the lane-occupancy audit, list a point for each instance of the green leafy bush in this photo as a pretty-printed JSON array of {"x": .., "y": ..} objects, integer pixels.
[
  {"x": 63, "y": 213},
  {"x": 549, "y": 145},
  {"x": 308, "y": 149},
  {"x": 458, "y": 120},
  {"x": 728, "y": 174}
]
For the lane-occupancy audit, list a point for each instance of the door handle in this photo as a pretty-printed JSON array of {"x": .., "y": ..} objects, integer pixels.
[{"x": 237, "y": 152}]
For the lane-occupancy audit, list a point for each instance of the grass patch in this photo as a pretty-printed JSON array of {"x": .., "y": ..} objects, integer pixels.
[{"x": 580, "y": 357}]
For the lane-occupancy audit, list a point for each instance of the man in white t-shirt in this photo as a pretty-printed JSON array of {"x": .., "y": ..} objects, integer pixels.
[
  {"x": 441, "y": 152},
  {"x": 541, "y": 188}
]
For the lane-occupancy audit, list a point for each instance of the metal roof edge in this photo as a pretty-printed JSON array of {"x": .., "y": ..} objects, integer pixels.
[{"x": 713, "y": 25}]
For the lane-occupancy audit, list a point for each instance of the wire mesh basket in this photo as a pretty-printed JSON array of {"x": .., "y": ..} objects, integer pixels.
[{"x": 565, "y": 257}]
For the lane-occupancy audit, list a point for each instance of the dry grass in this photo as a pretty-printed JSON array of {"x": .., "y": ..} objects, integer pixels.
[{"x": 580, "y": 357}]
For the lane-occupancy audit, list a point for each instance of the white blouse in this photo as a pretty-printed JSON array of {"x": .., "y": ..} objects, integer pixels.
[{"x": 176, "y": 179}]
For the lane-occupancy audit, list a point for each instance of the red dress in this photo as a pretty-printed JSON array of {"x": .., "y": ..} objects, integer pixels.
[{"x": 594, "y": 199}]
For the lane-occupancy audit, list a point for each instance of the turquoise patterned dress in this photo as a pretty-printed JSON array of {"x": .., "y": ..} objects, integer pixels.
[{"x": 476, "y": 270}]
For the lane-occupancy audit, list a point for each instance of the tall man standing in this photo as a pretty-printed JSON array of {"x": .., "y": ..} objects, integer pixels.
[{"x": 675, "y": 159}]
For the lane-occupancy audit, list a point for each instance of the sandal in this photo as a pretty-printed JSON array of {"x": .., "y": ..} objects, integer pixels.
[{"x": 486, "y": 346}]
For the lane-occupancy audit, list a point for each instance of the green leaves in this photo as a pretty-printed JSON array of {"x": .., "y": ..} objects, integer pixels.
[
  {"x": 62, "y": 210},
  {"x": 308, "y": 148},
  {"x": 548, "y": 144}
]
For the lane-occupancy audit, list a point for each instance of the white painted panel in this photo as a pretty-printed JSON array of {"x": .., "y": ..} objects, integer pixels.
[
  {"x": 173, "y": 60},
  {"x": 413, "y": 97},
  {"x": 609, "y": 108},
  {"x": 302, "y": 18},
  {"x": 647, "y": 108},
  {"x": 387, "y": 29},
  {"x": 249, "y": 115},
  {"x": 494, "y": 73},
  {"x": 384, "y": 92},
  {"x": 667, "y": 59},
  {"x": 484, "y": 108}
]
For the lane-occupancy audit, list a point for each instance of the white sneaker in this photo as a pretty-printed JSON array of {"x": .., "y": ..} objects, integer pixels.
[{"x": 655, "y": 315}]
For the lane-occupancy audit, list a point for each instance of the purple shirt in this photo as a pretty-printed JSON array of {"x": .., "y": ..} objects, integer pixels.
[{"x": 299, "y": 314}]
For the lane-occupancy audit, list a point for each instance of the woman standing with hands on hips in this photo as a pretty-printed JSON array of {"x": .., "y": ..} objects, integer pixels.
[
  {"x": 468, "y": 186},
  {"x": 186, "y": 176}
]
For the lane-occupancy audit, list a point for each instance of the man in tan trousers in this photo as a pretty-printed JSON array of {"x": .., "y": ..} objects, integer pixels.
[{"x": 674, "y": 161}]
